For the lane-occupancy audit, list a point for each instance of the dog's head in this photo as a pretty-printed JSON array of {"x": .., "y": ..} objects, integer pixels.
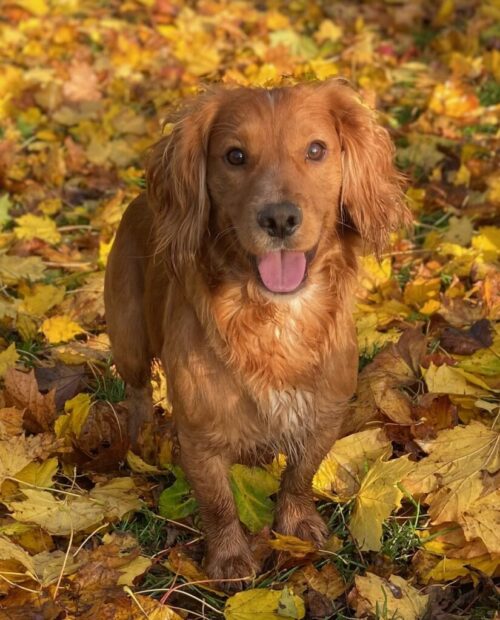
[{"x": 283, "y": 173}]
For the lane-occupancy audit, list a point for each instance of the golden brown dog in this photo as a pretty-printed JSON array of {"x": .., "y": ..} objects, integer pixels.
[{"x": 236, "y": 269}]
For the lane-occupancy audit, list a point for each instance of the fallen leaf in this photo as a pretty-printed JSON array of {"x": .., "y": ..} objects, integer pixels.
[
  {"x": 75, "y": 513},
  {"x": 296, "y": 547},
  {"x": 177, "y": 501},
  {"x": 116, "y": 497},
  {"x": 252, "y": 488},
  {"x": 393, "y": 597},
  {"x": 60, "y": 329},
  {"x": 265, "y": 604},
  {"x": 38, "y": 474},
  {"x": 378, "y": 496},
  {"x": 451, "y": 476},
  {"x": 31, "y": 226},
  {"x": 466, "y": 342},
  {"x": 429, "y": 568},
  {"x": 41, "y": 298},
  {"x": 327, "y": 581},
  {"x": 15, "y": 454},
  {"x": 58, "y": 517},
  {"x": 482, "y": 520},
  {"x": 67, "y": 381},
  {"x": 76, "y": 411},
  {"x": 11, "y": 422},
  {"x": 8, "y": 359},
  {"x": 181, "y": 564},
  {"x": 449, "y": 380},
  {"x": 21, "y": 390},
  {"x": 341, "y": 471}
]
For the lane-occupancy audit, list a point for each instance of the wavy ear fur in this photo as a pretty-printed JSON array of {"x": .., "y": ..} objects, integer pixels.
[
  {"x": 372, "y": 187},
  {"x": 176, "y": 183}
]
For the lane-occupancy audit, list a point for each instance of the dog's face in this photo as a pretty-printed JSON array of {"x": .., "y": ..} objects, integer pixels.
[{"x": 274, "y": 173}]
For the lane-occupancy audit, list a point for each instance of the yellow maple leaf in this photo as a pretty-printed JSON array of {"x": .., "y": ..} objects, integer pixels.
[
  {"x": 369, "y": 338},
  {"x": 265, "y": 605},
  {"x": 327, "y": 581},
  {"x": 15, "y": 268},
  {"x": 128, "y": 572},
  {"x": 341, "y": 471},
  {"x": 323, "y": 69},
  {"x": 77, "y": 410},
  {"x": 8, "y": 359},
  {"x": 377, "y": 497},
  {"x": 482, "y": 520},
  {"x": 451, "y": 476},
  {"x": 60, "y": 329},
  {"x": 39, "y": 474},
  {"x": 15, "y": 454},
  {"x": 31, "y": 226},
  {"x": 374, "y": 594},
  {"x": 375, "y": 272},
  {"x": 76, "y": 513},
  {"x": 452, "y": 380},
  {"x": 448, "y": 569},
  {"x": 488, "y": 241},
  {"x": 328, "y": 31},
  {"x": 430, "y": 307},
  {"x": 41, "y": 299},
  {"x": 418, "y": 291}
]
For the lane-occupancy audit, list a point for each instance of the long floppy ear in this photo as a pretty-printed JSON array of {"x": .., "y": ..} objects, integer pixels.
[
  {"x": 176, "y": 183},
  {"x": 372, "y": 192}
]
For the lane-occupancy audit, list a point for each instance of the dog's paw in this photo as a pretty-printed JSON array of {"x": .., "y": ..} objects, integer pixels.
[
  {"x": 226, "y": 564},
  {"x": 304, "y": 523}
]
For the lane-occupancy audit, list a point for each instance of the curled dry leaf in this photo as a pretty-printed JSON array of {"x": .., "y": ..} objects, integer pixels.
[{"x": 296, "y": 547}]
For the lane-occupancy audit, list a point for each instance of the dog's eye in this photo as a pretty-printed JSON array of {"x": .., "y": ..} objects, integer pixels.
[
  {"x": 316, "y": 151},
  {"x": 236, "y": 157}
]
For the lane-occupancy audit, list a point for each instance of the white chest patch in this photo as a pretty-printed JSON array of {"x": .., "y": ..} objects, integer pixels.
[{"x": 288, "y": 414}]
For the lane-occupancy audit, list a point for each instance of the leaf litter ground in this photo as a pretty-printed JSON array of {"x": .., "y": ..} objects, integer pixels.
[{"x": 89, "y": 529}]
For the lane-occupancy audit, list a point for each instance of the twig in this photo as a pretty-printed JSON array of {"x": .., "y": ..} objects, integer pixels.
[
  {"x": 61, "y": 574},
  {"x": 128, "y": 591}
]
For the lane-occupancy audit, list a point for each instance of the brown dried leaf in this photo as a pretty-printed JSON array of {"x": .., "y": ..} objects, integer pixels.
[
  {"x": 467, "y": 342},
  {"x": 11, "y": 422},
  {"x": 21, "y": 391}
]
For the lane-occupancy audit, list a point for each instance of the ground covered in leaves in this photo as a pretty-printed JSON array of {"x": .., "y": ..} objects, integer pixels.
[{"x": 90, "y": 530}]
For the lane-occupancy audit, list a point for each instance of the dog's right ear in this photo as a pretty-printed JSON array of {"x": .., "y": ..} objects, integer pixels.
[{"x": 176, "y": 183}]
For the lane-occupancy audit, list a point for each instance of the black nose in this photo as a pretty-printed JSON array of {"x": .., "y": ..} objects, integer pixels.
[{"x": 280, "y": 219}]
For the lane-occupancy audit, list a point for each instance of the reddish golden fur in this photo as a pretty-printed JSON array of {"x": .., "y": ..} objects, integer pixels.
[{"x": 250, "y": 371}]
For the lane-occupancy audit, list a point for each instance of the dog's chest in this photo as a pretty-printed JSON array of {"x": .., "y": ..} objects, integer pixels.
[{"x": 286, "y": 416}]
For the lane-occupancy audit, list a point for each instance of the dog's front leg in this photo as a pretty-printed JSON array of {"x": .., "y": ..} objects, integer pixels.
[
  {"x": 227, "y": 554},
  {"x": 296, "y": 513}
]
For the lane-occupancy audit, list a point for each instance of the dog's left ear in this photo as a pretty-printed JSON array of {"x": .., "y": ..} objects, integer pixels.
[
  {"x": 176, "y": 183},
  {"x": 372, "y": 188}
]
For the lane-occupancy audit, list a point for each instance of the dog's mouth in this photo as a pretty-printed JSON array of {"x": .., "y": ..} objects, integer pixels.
[{"x": 283, "y": 271}]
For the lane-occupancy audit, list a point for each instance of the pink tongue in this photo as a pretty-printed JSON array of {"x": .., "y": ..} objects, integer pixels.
[{"x": 282, "y": 271}]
